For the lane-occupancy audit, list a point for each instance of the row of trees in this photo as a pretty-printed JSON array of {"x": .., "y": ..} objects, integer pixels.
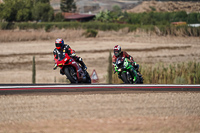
[
  {"x": 41, "y": 10},
  {"x": 173, "y": 0},
  {"x": 68, "y": 5},
  {"x": 163, "y": 18},
  {"x": 29, "y": 10},
  {"x": 26, "y": 10},
  {"x": 150, "y": 18}
]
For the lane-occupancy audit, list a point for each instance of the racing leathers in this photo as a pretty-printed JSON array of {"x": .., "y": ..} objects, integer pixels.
[
  {"x": 123, "y": 54},
  {"x": 59, "y": 54}
]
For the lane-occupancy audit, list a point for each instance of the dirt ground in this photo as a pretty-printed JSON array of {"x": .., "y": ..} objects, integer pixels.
[
  {"x": 19, "y": 47},
  {"x": 101, "y": 113},
  {"x": 88, "y": 113}
]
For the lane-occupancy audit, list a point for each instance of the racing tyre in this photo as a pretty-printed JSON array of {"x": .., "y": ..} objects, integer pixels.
[
  {"x": 126, "y": 77},
  {"x": 88, "y": 79},
  {"x": 70, "y": 72},
  {"x": 141, "y": 80}
]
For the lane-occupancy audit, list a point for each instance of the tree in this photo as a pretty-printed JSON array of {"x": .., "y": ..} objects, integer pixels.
[
  {"x": 179, "y": 16},
  {"x": 103, "y": 16},
  {"x": 116, "y": 13},
  {"x": 1, "y": 9},
  {"x": 110, "y": 68},
  {"x": 67, "y": 5},
  {"x": 117, "y": 9},
  {"x": 59, "y": 17},
  {"x": 16, "y": 10},
  {"x": 43, "y": 12},
  {"x": 25, "y": 10},
  {"x": 193, "y": 18},
  {"x": 33, "y": 71},
  {"x": 42, "y": 1}
]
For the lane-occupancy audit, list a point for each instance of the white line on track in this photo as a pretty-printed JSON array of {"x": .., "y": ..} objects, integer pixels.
[{"x": 97, "y": 85}]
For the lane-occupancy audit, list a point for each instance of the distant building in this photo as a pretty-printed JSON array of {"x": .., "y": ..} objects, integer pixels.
[
  {"x": 178, "y": 23},
  {"x": 78, "y": 17},
  {"x": 194, "y": 25}
]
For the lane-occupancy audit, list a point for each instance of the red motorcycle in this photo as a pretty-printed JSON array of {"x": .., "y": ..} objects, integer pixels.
[{"x": 73, "y": 70}]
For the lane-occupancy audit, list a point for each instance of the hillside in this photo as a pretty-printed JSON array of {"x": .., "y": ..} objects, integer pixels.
[
  {"x": 170, "y": 6},
  {"x": 95, "y": 6}
]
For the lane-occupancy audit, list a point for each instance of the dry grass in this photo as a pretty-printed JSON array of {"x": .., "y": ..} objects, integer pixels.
[
  {"x": 33, "y": 35},
  {"x": 160, "y": 73},
  {"x": 16, "y": 57}
]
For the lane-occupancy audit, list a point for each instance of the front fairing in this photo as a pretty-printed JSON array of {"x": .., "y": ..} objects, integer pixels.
[
  {"x": 69, "y": 61},
  {"x": 123, "y": 66},
  {"x": 62, "y": 61}
]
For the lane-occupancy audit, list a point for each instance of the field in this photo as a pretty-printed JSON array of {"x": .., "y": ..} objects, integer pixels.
[
  {"x": 168, "y": 112},
  {"x": 160, "y": 112},
  {"x": 19, "y": 47},
  {"x": 106, "y": 112}
]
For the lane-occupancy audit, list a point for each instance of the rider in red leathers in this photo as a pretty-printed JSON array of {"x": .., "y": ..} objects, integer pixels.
[
  {"x": 119, "y": 53},
  {"x": 61, "y": 49}
]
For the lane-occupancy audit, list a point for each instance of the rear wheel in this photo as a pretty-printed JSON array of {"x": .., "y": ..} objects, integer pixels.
[
  {"x": 126, "y": 77},
  {"x": 140, "y": 78},
  {"x": 88, "y": 79},
  {"x": 71, "y": 74}
]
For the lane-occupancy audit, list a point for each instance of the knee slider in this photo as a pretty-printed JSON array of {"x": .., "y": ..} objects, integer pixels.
[{"x": 80, "y": 59}]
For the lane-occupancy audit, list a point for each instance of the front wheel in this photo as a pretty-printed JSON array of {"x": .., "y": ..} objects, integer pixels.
[
  {"x": 126, "y": 77},
  {"x": 71, "y": 74}
]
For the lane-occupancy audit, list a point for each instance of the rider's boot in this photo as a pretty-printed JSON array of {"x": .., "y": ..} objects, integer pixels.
[
  {"x": 135, "y": 75},
  {"x": 62, "y": 72},
  {"x": 83, "y": 66},
  {"x": 119, "y": 77}
]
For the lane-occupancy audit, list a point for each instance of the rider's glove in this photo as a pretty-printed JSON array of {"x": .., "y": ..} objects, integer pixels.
[
  {"x": 133, "y": 63},
  {"x": 55, "y": 66},
  {"x": 85, "y": 68}
]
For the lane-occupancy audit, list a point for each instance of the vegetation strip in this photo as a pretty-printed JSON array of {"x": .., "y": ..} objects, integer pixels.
[{"x": 106, "y": 50}]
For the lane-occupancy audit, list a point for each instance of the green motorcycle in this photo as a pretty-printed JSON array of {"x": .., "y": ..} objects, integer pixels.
[{"x": 128, "y": 73}]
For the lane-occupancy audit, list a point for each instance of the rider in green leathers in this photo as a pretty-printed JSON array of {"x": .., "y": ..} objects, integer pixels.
[{"x": 119, "y": 53}]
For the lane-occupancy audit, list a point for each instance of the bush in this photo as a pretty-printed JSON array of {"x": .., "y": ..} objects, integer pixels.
[
  {"x": 59, "y": 17},
  {"x": 7, "y": 26},
  {"x": 161, "y": 30},
  {"x": 90, "y": 33},
  {"x": 43, "y": 12},
  {"x": 48, "y": 27}
]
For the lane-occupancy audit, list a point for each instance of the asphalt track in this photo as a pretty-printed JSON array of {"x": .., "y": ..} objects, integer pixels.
[{"x": 92, "y": 88}]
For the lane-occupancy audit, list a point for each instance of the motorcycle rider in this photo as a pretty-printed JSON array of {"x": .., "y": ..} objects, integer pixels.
[
  {"x": 59, "y": 54},
  {"x": 119, "y": 53}
]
